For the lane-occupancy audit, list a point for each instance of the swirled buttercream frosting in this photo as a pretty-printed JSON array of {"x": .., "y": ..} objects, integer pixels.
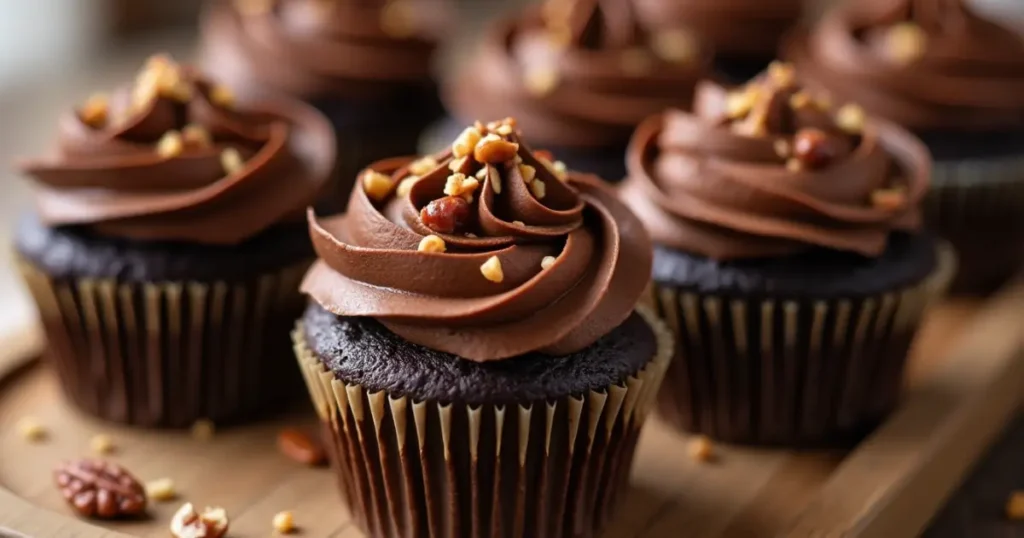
[
  {"x": 323, "y": 48},
  {"x": 577, "y": 73},
  {"x": 172, "y": 158},
  {"x": 488, "y": 250},
  {"x": 771, "y": 169},
  {"x": 930, "y": 65}
]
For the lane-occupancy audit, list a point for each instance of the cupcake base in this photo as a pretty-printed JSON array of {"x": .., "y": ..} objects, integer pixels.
[
  {"x": 805, "y": 362},
  {"x": 547, "y": 452},
  {"x": 165, "y": 335}
]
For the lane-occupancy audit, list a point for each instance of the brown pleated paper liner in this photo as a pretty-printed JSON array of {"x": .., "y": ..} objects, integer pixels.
[
  {"x": 977, "y": 206},
  {"x": 789, "y": 372},
  {"x": 539, "y": 469},
  {"x": 168, "y": 354}
]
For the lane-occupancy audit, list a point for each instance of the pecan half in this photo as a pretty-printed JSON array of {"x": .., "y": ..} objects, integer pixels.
[{"x": 95, "y": 488}]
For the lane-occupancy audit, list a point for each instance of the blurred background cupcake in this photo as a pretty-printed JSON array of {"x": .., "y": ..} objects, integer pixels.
[
  {"x": 478, "y": 304},
  {"x": 366, "y": 65},
  {"x": 578, "y": 75},
  {"x": 744, "y": 34},
  {"x": 957, "y": 80},
  {"x": 787, "y": 259},
  {"x": 167, "y": 246}
]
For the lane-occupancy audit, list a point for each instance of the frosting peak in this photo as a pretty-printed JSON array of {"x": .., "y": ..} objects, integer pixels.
[
  {"x": 926, "y": 64},
  {"x": 172, "y": 158},
  {"x": 488, "y": 250},
  {"x": 771, "y": 169}
]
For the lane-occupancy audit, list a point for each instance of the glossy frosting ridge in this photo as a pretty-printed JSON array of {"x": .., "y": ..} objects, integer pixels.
[{"x": 573, "y": 259}]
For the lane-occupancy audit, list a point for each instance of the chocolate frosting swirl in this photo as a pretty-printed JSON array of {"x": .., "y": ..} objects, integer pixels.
[
  {"x": 926, "y": 64},
  {"x": 771, "y": 170},
  {"x": 574, "y": 259},
  {"x": 732, "y": 27},
  {"x": 577, "y": 73},
  {"x": 324, "y": 48},
  {"x": 153, "y": 164}
]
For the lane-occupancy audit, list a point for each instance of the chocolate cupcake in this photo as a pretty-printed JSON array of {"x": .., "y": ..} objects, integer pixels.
[
  {"x": 366, "y": 65},
  {"x": 745, "y": 34},
  {"x": 957, "y": 81},
  {"x": 167, "y": 247},
  {"x": 472, "y": 346},
  {"x": 579, "y": 75},
  {"x": 786, "y": 260}
]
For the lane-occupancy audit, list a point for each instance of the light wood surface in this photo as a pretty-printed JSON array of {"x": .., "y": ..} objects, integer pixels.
[{"x": 968, "y": 377}]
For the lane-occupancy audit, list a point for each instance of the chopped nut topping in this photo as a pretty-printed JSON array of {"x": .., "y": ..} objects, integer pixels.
[
  {"x": 161, "y": 490},
  {"x": 446, "y": 215},
  {"x": 850, "y": 118},
  {"x": 481, "y": 174},
  {"x": 636, "y": 62},
  {"x": 466, "y": 142},
  {"x": 491, "y": 269},
  {"x": 528, "y": 172},
  {"x": 740, "y": 103},
  {"x": 31, "y": 430},
  {"x": 547, "y": 262},
  {"x": 676, "y": 46},
  {"x": 495, "y": 181},
  {"x": 458, "y": 184},
  {"x": 432, "y": 243},
  {"x": 376, "y": 185},
  {"x": 170, "y": 145},
  {"x": 541, "y": 81},
  {"x": 196, "y": 135},
  {"x": 102, "y": 444},
  {"x": 493, "y": 149},
  {"x": 222, "y": 96},
  {"x": 509, "y": 122},
  {"x": 701, "y": 449},
  {"x": 211, "y": 523},
  {"x": 815, "y": 149},
  {"x": 424, "y": 165},
  {"x": 504, "y": 130},
  {"x": 405, "y": 186},
  {"x": 398, "y": 19},
  {"x": 561, "y": 170},
  {"x": 799, "y": 100},
  {"x": 252, "y": 8},
  {"x": 459, "y": 164},
  {"x": 783, "y": 74},
  {"x": 890, "y": 199},
  {"x": 203, "y": 430},
  {"x": 95, "y": 110},
  {"x": 1015, "y": 506},
  {"x": 284, "y": 523},
  {"x": 538, "y": 188},
  {"x": 231, "y": 160},
  {"x": 905, "y": 43},
  {"x": 518, "y": 223},
  {"x": 782, "y": 148}
]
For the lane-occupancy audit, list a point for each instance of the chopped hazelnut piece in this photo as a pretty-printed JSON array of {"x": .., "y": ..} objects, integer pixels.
[
  {"x": 636, "y": 62},
  {"x": 31, "y": 430},
  {"x": 891, "y": 199},
  {"x": 231, "y": 160},
  {"x": 675, "y": 46},
  {"x": 252, "y": 8},
  {"x": 423, "y": 165},
  {"x": 456, "y": 165},
  {"x": 466, "y": 142},
  {"x": 446, "y": 215},
  {"x": 528, "y": 172},
  {"x": 495, "y": 181},
  {"x": 799, "y": 100},
  {"x": 95, "y": 110},
  {"x": 196, "y": 135},
  {"x": 782, "y": 148},
  {"x": 203, "y": 430},
  {"x": 398, "y": 19},
  {"x": 538, "y": 188},
  {"x": 740, "y": 103},
  {"x": 432, "y": 243},
  {"x": 814, "y": 148},
  {"x": 284, "y": 522},
  {"x": 547, "y": 262},
  {"x": 701, "y": 449},
  {"x": 493, "y": 149},
  {"x": 222, "y": 96},
  {"x": 561, "y": 170},
  {"x": 504, "y": 129},
  {"x": 491, "y": 269},
  {"x": 541, "y": 81},
  {"x": 102, "y": 444},
  {"x": 405, "y": 186},
  {"x": 1015, "y": 506},
  {"x": 904, "y": 43},
  {"x": 187, "y": 523},
  {"x": 170, "y": 145},
  {"x": 376, "y": 185},
  {"x": 481, "y": 174},
  {"x": 458, "y": 185},
  {"x": 850, "y": 118},
  {"x": 518, "y": 223},
  {"x": 782, "y": 74},
  {"x": 161, "y": 490}
]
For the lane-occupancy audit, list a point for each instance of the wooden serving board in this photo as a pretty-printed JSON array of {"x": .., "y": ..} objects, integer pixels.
[{"x": 967, "y": 380}]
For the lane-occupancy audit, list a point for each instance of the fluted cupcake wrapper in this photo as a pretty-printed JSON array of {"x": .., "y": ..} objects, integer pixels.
[
  {"x": 977, "y": 206},
  {"x": 167, "y": 354},
  {"x": 548, "y": 468},
  {"x": 789, "y": 372}
]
